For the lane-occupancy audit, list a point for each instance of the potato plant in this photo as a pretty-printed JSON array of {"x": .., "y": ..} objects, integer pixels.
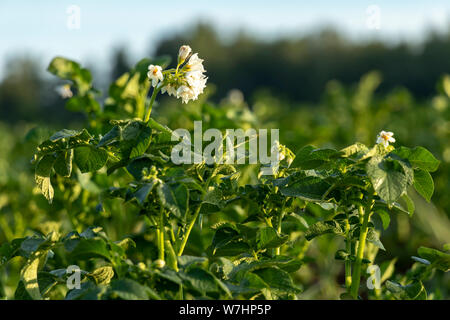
[{"x": 257, "y": 230}]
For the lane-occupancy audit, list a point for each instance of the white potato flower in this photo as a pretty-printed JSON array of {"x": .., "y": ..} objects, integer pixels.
[
  {"x": 170, "y": 89},
  {"x": 197, "y": 81},
  {"x": 185, "y": 93},
  {"x": 385, "y": 137},
  {"x": 64, "y": 91},
  {"x": 155, "y": 74},
  {"x": 187, "y": 82},
  {"x": 194, "y": 64},
  {"x": 183, "y": 53}
]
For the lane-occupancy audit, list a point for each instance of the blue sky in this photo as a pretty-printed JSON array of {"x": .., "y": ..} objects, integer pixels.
[{"x": 39, "y": 27}]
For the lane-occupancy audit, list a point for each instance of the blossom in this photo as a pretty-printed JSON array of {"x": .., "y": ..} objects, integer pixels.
[
  {"x": 155, "y": 74},
  {"x": 64, "y": 91},
  {"x": 197, "y": 81},
  {"x": 186, "y": 82},
  {"x": 186, "y": 93},
  {"x": 194, "y": 64},
  {"x": 385, "y": 137},
  {"x": 170, "y": 89},
  {"x": 183, "y": 53}
]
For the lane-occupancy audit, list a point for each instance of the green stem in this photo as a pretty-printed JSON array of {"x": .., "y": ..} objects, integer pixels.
[
  {"x": 348, "y": 263},
  {"x": 171, "y": 256},
  {"x": 152, "y": 100},
  {"x": 280, "y": 219},
  {"x": 161, "y": 234},
  {"x": 191, "y": 225},
  {"x": 356, "y": 278},
  {"x": 348, "y": 267},
  {"x": 196, "y": 214}
]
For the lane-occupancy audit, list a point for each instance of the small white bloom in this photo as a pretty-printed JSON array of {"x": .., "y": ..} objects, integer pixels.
[
  {"x": 64, "y": 91},
  {"x": 197, "y": 81},
  {"x": 195, "y": 64},
  {"x": 155, "y": 74},
  {"x": 170, "y": 89},
  {"x": 186, "y": 94},
  {"x": 183, "y": 53},
  {"x": 385, "y": 137}
]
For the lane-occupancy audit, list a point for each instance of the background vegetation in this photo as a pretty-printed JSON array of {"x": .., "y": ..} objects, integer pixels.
[{"x": 321, "y": 89}]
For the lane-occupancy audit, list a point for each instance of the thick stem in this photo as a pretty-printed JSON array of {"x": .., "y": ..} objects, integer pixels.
[{"x": 356, "y": 278}]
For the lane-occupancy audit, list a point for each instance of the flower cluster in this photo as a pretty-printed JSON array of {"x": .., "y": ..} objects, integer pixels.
[
  {"x": 385, "y": 137},
  {"x": 186, "y": 82}
]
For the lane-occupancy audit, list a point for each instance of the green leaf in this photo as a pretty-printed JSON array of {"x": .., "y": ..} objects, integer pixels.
[
  {"x": 91, "y": 248},
  {"x": 173, "y": 198},
  {"x": 440, "y": 260},
  {"x": 323, "y": 227},
  {"x": 423, "y": 183},
  {"x": 374, "y": 238},
  {"x": 69, "y": 134},
  {"x": 385, "y": 217},
  {"x": 227, "y": 241},
  {"x": 142, "y": 193},
  {"x": 419, "y": 157},
  {"x": 186, "y": 261},
  {"x": 212, "y": 201},
  {"x": 200, "y": 280},
  {"x": 42, "y": 176},
  {"x": 128, "y": 289},
  {"x": 268, "y": 238},
  {"x": 71, "y": 70},
  {"x": 111, "y": 136},
  {"x": 142, "y": 142},
  {"x": 343, "y": 255},
  {"x": 29, "y": 274},
  {"x": 90, "y": 159},
  {"x": 409, "y": 204},
  {"x": 85, "y": 103},
  {"x": 46, "y": 282},
  {"x": 278, "y": 279},
  {"x": 357, "y": 150},
  {"x": 21, "y": 293},
  {"x": 102, "y": 275},
  {"x": 283, "y": 263},
  {"x": 309, "y": 188},
  {"x": 412, "y": 291},
  {"x": 309, "y": 157},
  {"x": 63, "y": 163},
  {"x": 388, "y": 182}
]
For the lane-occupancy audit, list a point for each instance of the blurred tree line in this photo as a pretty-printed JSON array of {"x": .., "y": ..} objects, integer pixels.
[{"x": 296, "y": 69}]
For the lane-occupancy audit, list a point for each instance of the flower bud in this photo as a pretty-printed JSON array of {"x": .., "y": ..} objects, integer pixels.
[
  {"x": 160, "y": 263},
  {"x": 184, "y": 52}
]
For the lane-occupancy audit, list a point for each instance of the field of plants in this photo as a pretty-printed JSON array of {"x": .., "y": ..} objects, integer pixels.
[{"x": 357, "y": 207}]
